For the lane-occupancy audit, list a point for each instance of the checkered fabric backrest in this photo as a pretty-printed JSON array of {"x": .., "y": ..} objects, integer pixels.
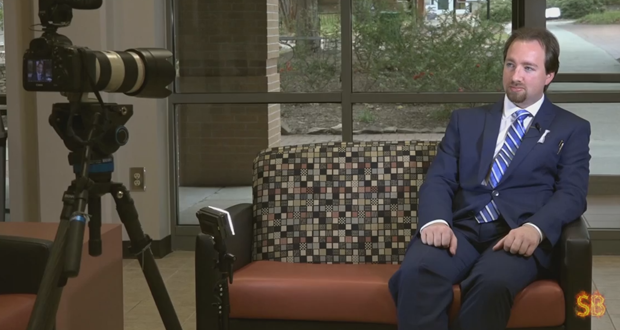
[{"x": 338, "y": 202}]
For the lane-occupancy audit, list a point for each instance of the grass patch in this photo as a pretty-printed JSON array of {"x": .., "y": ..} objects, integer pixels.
[{"x": 608, "y": 17}]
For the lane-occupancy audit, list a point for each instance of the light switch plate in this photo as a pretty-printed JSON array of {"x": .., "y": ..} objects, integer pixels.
[{"x": 137, "y": 179}]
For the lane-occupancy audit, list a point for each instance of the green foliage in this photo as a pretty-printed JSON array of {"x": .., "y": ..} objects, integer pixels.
[
  {"x": 611, "y": 2},
  {"x": 608, "y": 17},
  {"x": 574, "y": 9},
  {"x": 452, "y": 54},
  {"x": 394, "y": 50},
  {"x": 330, "y": 25},
  {"x": 501, "y": 11}
]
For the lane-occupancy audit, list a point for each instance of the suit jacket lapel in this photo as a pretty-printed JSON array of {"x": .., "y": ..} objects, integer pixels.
[
  {"x": 543, "y": 118},
  {"x": 492, "y": 122}
]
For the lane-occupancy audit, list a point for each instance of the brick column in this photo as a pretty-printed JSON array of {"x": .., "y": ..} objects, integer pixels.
[{"x": 226, "y": 46}]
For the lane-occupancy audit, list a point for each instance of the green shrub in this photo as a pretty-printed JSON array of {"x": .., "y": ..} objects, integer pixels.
[
  {"x": 501, "y": 11},
  {"x": 449, "y": 55},
  {"x": 611, "y": 2},
  {"x": 395, "y": 51},
  {"x": 608, "y": 17},
  {"x": 579, "y": 8}
]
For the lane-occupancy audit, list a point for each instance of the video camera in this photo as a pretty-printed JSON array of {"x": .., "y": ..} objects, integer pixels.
[{"x": 53, "y": 64}]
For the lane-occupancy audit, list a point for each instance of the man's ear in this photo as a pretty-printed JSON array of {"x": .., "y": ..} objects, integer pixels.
[{"x": 550, "y": 77}]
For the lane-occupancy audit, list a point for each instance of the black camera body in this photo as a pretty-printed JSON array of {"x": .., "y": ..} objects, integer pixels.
[{"x": 53, "y": 64}]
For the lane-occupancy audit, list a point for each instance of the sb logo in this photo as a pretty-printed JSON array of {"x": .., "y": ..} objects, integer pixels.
[{"x": 590, "y": 304}]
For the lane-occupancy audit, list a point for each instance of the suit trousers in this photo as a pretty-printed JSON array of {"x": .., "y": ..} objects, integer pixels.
[{"x": 489, "y": 280}]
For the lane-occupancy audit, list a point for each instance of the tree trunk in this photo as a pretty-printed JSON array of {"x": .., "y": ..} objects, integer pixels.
[
  {"x": 288, "y": 12},
  {"x": 421, "y": 9},
  {"x": 308, "y": 25}
]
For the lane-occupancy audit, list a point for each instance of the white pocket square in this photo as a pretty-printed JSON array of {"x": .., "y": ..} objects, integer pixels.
[{"x": 542, "y": 138}]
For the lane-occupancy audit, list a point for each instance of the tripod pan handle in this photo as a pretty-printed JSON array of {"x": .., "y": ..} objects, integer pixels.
[{"x": 75, "y": 239}]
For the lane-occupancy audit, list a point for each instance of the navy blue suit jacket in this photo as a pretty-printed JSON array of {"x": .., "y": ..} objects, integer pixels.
[{"x": 542, "y": 186}]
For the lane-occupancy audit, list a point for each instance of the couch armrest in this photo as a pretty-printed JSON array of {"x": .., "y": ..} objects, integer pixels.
[
  {"x": 575, "y": 258},
  {"x": 240, "y": 245},
  {"x": 207, "y": 276},
  {"x": 22, "y": 263}
]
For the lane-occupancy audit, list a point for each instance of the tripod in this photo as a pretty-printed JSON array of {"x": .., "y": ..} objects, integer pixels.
[{"x": 93, "y": 132}]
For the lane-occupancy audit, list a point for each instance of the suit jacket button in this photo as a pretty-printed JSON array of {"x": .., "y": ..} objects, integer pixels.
[{"x": 495, "y": 193}]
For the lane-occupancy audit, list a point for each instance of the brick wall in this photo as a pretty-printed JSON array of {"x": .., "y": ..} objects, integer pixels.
[{"x": 225, "y": 46}]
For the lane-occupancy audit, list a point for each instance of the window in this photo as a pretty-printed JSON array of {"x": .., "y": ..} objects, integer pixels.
[
  {"x": 283, "y": 46},
  {"x": 248, "y": 74},
  {"x": 216, "y": 144},
  {"x": 402, "y": 121},
  {"x": 605, "y": 138},
  {"x": 588, "y": 35}
]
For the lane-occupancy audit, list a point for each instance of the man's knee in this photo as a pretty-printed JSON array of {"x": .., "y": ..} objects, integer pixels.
[
  {"x": 493, "y": 288},
  {"x": 420, "y": 272}
]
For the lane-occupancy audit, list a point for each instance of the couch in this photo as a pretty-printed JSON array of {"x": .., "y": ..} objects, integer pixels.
[
  {"x": 22, "y": 263},
  {"x": 93, "y": 300},
  {"x": 327, "y": 228}
]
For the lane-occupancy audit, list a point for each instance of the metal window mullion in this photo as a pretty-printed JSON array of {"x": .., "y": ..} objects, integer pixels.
[
  {"x": 534, "y": 13},
  {"x": 255, "y": 98},
  {"x": 518, "y": 17},
  {"x": 586, "y": 77},
  {"x": 480, "y": 97},
  {"x": 174, "y": 212},
  {"x": 346, "y": 71},
  {"x": 490, "y": 97},
  {"x": 584, "y": 97}
]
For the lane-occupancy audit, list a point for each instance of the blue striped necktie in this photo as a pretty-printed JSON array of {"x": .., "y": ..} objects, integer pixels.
[{"x": 502, "y": 160}]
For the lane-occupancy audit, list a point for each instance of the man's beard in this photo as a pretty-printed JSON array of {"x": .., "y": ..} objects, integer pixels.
[{"x": 516, "y": 97}]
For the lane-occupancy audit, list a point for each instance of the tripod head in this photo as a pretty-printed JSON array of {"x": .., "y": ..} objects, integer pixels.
[{"x": 85, "y": 122}]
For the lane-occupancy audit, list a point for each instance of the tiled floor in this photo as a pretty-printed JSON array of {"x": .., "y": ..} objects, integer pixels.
[{"x": 177, "y": 269}]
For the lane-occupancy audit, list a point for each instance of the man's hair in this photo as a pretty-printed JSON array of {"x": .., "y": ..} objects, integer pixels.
[{"x": 546, "y": 39}]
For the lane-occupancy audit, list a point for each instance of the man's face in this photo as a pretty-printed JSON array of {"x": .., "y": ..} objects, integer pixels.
[
  {"x": 39, "y": 67},
  {"x": 524, "y": 73}
]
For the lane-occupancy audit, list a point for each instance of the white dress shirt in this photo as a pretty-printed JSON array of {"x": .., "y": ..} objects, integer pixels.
[{"x": 507, "y": 120}]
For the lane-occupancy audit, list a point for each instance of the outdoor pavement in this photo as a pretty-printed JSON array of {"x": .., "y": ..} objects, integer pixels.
[{"x": 578, "y": 55}]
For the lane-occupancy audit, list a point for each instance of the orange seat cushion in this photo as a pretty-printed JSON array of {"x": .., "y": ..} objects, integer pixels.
[
  {"x": 357, "y": 293},
  {"x": 540, "y": 304},
  {"x": 15, "y": 310}
]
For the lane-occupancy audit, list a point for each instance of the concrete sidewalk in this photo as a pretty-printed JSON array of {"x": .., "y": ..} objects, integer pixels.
[
  {"x": 580, "y": 56},
  {"x": 577, "y": 55}
]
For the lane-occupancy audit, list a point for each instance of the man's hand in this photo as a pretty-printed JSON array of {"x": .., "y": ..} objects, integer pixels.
[
  {"x": 439, "y": 235},
  {"x": 522, "y": 240}
]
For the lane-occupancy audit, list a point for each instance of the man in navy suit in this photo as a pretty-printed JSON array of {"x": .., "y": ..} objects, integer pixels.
[{"x": 505, "y": 181}]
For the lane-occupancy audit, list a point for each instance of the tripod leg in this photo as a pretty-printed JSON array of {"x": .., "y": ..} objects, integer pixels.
[
  {"x": 43, "y": 315},
  {"x": 141, "y": 247},
  {"x": 94, "y": 226}
]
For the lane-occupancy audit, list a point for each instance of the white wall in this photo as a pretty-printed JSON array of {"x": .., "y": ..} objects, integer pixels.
[{"x": 117, "y": 25}]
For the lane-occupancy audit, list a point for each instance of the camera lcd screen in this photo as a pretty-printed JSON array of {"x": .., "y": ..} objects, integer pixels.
[{"x": 39, "y": 71}]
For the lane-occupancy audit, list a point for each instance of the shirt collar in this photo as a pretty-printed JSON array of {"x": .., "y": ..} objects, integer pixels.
[{"x": 510, "y": 108}]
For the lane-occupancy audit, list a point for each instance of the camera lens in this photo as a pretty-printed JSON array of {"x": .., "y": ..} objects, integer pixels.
[{"x": 139, "y": 72}]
